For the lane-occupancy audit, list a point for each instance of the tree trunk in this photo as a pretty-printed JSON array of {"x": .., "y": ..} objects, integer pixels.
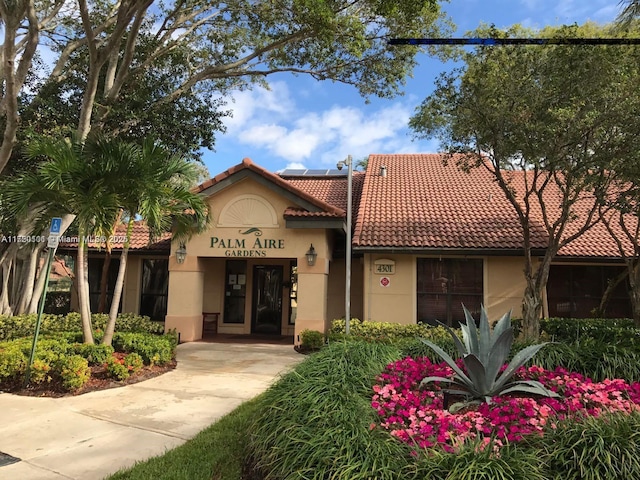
[
  {"x": 37, "y": 290},
  {"x": 612, "y": 284},
  {"x": 28, "y": 280},
  {"x": 67, "y": 220},
  {"x": 115, "y": 301},
  {"x": 104, "y": 280},
  {"x": 531, "y": 312},
  {"x": 5, "y": 307},
  {"x": 83, "y": 290},
  {"x": 117, "y": 291},
  {"x": 634, "y": 293}
]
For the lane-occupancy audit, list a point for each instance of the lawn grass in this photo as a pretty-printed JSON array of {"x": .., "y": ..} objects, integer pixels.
[{"x": 216, "y": 453}]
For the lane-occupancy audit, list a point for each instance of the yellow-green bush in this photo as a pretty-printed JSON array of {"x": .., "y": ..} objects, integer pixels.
[
  {"x": 13, "y": 360},
  {"x": 311, "y": 339},
  {"x": 18, "y": 326},
  {"x": 133, "y": 362},
  {"x": 74, "y": 371},
  {"x": 387, "y": 332}
]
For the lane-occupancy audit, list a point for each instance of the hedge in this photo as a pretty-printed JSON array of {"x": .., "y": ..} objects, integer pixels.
[
  {"x": 12, "y": 327},
  {"x": 60, "y": 358}
]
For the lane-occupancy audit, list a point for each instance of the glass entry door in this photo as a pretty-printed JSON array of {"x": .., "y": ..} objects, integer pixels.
[{"x": 267, "y": 299}]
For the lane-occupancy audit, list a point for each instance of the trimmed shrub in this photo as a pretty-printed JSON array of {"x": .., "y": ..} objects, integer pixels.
[
  {"x": 116, "y": 368},
  {"x": 13, "y": 360},
  {"x": 127, "y": 322},
  {"x": 311, "y": 339},
  {"x": 18, "y": 326},
  {"x": 40, "y": 370},
  {"x": 133, "y": 362},
  {"x": 154, "y": 350},
  {"x": 619, "y": 331},
  {"x": 386, "y": 332},
  {"x": 95, "y": 354},
  {"x": 74, "y": 371},
  {"x": 315, "y": 422}
]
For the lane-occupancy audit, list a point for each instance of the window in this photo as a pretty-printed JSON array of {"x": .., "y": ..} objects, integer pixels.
[
  {"x": 574, "y": 291},
  {"x": 155, "y": 285},
  {"x": 235, "y": 291},
  {"x": 293, "y": 292},
  {"x": 95, "y": 276},
  {"x": 444, "y": 285}
]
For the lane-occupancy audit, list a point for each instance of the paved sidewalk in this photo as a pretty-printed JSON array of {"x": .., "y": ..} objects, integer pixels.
[{"x": 93, "y": 435}]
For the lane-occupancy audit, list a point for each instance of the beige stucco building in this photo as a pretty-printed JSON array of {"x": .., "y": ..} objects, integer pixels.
[{"x": 427, "y": 238}]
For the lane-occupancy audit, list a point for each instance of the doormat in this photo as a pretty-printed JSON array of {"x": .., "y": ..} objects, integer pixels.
[{"x": 6, "y": 459}]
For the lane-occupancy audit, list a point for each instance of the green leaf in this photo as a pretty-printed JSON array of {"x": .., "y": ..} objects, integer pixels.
[
  {"x": 529, "y": 386},
  {"x": 472, "y": 332},
  {"x": 456, "y": 341},
  {"x": 485, "y": 336},
  {"x": 522, "y": 357},
  {"x": 477, "y": 374},
  {"x": 501, "y": 326},
  {"x": 449, "y": 361},
  {"x": 499, "y": 354}
]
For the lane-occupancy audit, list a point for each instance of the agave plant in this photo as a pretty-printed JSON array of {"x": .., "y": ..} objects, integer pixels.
[{"x": 484, "y": 353}]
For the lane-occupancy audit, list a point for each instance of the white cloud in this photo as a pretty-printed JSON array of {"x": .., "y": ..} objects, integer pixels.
[
  {"x": 259, "y": 101},
  {"x": 262, "y": 135},
  {"x": 309, "y": 132},
  {"x": 295, "y": 166}
]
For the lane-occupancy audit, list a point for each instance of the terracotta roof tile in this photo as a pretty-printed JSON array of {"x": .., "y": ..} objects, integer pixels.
[
  {"x": 139, "y": 240},
  {"x": 423, "y": 204},
  {"x": 247, "y": 164},
  {"x": 332, "y": 190}
]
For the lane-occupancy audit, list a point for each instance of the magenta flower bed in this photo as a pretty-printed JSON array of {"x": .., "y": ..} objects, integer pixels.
[{"x": 417, "y": 416}]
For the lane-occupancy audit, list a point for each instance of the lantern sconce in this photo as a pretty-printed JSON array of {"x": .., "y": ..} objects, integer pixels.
[
  {"x": 181, "y": 253},
  {"x": 311, "y": 256}
]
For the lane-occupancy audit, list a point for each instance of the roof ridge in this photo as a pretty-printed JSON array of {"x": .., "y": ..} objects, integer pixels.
[
  {"x": 363, "y": 204},
  {"x": 247, "y": 163}
]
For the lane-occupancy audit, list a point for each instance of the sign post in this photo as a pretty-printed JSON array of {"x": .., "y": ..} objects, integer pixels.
[{"x": 52, "y": 244}]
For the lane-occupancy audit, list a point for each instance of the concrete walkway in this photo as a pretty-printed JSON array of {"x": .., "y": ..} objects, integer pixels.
[{"x": 93, "y": 435}]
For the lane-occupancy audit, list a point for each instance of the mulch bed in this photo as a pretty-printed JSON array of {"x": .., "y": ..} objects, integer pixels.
[{"x": 98, "y": 381}]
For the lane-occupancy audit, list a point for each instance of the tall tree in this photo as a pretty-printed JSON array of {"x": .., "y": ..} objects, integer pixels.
[
  {"x": 199, "y": 50},
  {"x": 623, "y": 223},
  {"x": 22, "y": 24},
  {"x": 71, "y": 181},
  {"x": 546, "y": 122},
  {"x": 158, "y": 191}
]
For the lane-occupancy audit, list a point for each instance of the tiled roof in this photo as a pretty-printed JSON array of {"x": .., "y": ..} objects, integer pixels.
[
  {"x": 247, "y": 164},
  {"x": 423, "y": 204},
  {"x": 420, "y": 205},
  {"x": 139, "y": 240},
  {"x": 332, "y": 190}
]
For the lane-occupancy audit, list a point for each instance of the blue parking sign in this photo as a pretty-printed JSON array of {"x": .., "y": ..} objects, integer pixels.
[{"x": 56, "y": 225}]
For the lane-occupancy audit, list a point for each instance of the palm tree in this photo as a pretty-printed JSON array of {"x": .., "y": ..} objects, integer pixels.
[
  {"x": 158, "y": 191},
  {"x": 71, "y": 181},
  {"x": 629, "y": 13}
]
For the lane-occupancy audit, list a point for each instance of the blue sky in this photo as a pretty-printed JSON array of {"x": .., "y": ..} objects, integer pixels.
[{"x": 303, "y": 123}]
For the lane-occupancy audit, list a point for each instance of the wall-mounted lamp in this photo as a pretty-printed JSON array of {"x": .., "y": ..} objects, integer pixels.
[
  {"x": 311, "y": 256},
  {"x": 181, "y": 253}
]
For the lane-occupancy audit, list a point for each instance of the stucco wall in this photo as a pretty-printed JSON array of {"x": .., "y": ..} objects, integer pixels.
[
  {"x": 395, "y": 302},
  {"x": 274, "y": 244},
  {"x": 336, "y": 289},
  {"x": 504, "y": 286}
]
